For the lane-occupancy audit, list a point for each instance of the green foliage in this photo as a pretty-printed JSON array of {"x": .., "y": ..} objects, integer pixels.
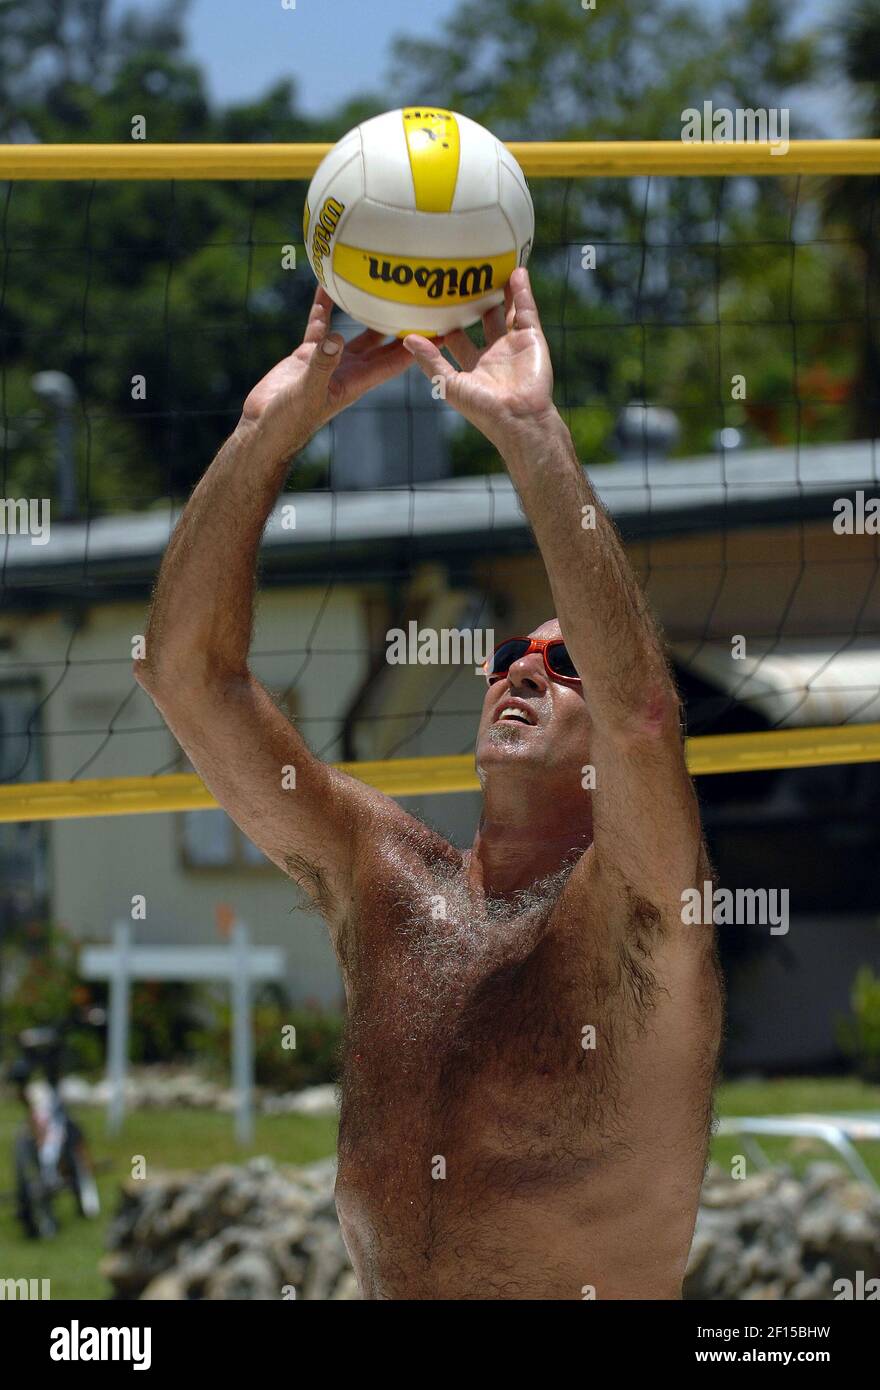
[
  {"x": 48, "y": 990},
  {"x": 313, "y": 1060},
  {"x": 169, "y": 1021},
  {"x": 695, "y": 279},
  {"x": 45, "y": 971},
  {"x": 163, "y": 1014},
  {"x": 179, "y": 283},
  {"x": 182, "y": 283},
  {"x": 851, "y": 204},
  {"x": 859, "y": 1035},
  {"x": 858, "y": 28}
]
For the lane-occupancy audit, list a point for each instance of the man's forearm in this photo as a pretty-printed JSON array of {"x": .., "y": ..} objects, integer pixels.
[
  {"x": 599, "y": 602},
  {"x": 202, "y": 611}
]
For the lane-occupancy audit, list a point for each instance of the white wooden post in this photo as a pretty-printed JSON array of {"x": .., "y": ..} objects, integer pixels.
[
  {"x": 242, "y": 1034},
  {"x": 117, "y": 1042},
  {"x": 239, "y": 963}
]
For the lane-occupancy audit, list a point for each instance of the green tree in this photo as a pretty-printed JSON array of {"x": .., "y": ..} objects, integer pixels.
[
  {"x": 181, "y": 284},
  {"x": 852, "y": 210},
  {"x": 695, "y": 279}
]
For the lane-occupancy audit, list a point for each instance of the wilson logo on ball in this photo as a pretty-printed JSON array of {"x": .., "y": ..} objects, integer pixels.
[
  {"x": 328, "y": 220},
  {"x": 424, "y": 281},
  {"x": 442, "y": 283}
]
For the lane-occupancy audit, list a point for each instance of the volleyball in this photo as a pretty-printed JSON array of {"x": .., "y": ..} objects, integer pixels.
[{"x": 415, "y": 221}]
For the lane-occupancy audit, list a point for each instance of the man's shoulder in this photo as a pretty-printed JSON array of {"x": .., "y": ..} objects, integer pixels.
[{"x": 399, "y": 844}]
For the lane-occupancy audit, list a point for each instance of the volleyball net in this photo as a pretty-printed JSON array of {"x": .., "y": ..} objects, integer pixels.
[{"x": 712, "y": 312}]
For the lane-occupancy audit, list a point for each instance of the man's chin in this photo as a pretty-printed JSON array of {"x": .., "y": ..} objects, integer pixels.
[{"x": 504, "y": 743}]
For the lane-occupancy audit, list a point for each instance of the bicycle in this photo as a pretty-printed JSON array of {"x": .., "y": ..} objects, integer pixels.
[{"x": 50, "y": 1150}]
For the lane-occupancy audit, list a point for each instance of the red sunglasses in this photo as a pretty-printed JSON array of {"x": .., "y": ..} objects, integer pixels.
[{"x": 557, "y": 662}]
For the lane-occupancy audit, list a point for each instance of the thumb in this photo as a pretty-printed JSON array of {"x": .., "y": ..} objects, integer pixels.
[{"x": 324, "y": 360}]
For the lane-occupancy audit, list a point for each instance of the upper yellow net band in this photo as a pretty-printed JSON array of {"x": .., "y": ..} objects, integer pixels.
[{"x": 538, "y": 159}]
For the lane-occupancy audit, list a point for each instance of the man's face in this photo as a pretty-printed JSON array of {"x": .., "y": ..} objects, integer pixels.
[{"x": 556, "y": 733}]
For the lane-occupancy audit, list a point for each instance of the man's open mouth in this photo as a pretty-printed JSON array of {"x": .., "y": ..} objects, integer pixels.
[{"x": 513, "y": 712}]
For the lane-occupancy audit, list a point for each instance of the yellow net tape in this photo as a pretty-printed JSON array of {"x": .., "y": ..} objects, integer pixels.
[
  {"x": 130, "y": 796},
  {"x": 539, "y": 159}
]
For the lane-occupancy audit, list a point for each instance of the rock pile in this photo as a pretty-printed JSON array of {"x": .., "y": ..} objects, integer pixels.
[
  {"x": 266, "y": 1232},
  {"x": 158, "y": 1088},
  {"x": 251, "y": 1232},
  {"x": 773, "y": 1236}
]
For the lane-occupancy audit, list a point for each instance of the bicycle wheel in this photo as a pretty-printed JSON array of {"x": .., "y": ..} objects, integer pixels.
[
  {"x": 82, "y": 1176},
  {"x": 33, "y": 1202}
]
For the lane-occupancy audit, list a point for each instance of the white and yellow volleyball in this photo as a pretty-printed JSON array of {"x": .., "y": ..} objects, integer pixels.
[{"x": 415, "y": 221}]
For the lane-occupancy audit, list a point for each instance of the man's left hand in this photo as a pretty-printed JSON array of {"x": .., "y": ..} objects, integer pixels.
[{"x": 506, "y": 388}]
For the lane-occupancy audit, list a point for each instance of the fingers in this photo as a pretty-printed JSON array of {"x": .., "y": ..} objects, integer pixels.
[
  {"x": 319, "y": 317},
  {"x": 323, "y": 363},
  {"x": 318, "y": 327},
  {"x": 428, "y": 356},
  {"x": 465, "y": 352},
  {"x": 519, "y": 302},
  {"x": 371, "y": 368},
  {"x": 364, "y": 342}
]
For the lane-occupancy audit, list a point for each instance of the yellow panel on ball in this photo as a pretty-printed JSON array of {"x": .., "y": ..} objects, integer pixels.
[{"x": 434, "y": 147}]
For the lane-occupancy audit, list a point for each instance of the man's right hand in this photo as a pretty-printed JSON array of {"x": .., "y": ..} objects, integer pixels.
[{"x": 321, "y": 377}]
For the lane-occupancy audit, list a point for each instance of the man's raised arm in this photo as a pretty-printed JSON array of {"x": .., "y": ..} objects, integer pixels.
[
  {"x": 645, "y": 819},
  {"x": 195, "y": 666}
]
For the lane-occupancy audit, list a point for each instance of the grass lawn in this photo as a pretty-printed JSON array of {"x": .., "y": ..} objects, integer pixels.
[
  {"x": 801, "y": 1095},
  {"x": 199, "y": 1138},
  {"x": 166, "y": 1139}
]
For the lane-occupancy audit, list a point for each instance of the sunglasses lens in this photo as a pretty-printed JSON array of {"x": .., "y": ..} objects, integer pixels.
[
  {"x": 505, "y": 655},
  {"x": 560, "y": 662}
]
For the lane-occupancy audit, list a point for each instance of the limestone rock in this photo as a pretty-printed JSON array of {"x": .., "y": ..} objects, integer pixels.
[{"x": 261, "y": 1231}]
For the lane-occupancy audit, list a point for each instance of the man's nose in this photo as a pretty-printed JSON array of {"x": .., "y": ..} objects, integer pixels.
[{"x": 528, "y": 673}]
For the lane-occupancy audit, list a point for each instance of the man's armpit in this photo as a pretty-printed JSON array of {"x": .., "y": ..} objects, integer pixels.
[{"x": 312, "y": 879}]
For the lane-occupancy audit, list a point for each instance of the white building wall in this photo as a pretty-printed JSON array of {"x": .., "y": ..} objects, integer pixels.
[{"x": 97, "y": 722}]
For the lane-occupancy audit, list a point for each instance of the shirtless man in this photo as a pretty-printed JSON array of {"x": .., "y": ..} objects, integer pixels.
[{"x": 532, "y": 1031}]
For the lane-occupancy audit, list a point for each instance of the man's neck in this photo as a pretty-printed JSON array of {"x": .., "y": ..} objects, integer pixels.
[{"x": 522, "y": 839}]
